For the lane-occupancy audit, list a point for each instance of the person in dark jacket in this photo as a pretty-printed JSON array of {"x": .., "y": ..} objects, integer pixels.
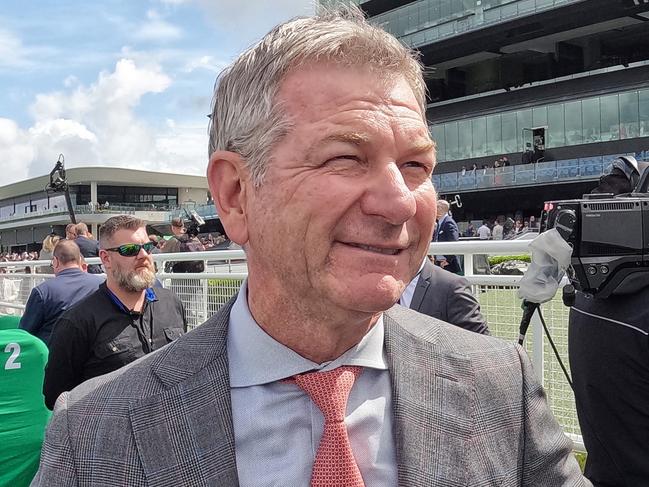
[
  {"x": 445, "y": 296},
  {"x": 89, "y": 247},
  {"x": 447, "y": 231},
  {"x": 51, "y": 298},
  {"x": 122, "y": 321}
]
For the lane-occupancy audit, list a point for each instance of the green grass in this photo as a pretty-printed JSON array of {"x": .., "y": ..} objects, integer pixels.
[{"x": 497, "y": 259}]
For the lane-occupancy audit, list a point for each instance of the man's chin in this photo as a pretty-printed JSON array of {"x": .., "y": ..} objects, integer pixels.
[{"x": 373, "y": 295}]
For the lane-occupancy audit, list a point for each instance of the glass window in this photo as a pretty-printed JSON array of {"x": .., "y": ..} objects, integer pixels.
[
  {"x": 437, "y": 133},
  {"x": 40, "y": 203},
  {"x": 643, "y": 108},
  {"x": 556, "y": 130},
  {"x": 464, "y": 134},
  {"x": 479, "y": 132},
  {"x": 7, "y": 209},
  {"x": 445, "y": 8},
  {"x": 451, "y": 141},
  {"x": 629, "y": 115},
  {"x": 573, "y": 123},
  {"x": 609, "y": 117},
  {"x": 509, "y": 132},
  {"x": 523, "y": 121},
  {"x": 590, "y": 111},
  {"x": 540, "y": 116},
  {"x": 22, "y": 208},
  {"x": 494, "y": 135}
]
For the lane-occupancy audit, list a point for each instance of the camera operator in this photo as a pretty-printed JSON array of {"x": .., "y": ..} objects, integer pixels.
[
  {"x": 609, "y": 358},
  {"x": 184, "y": 240},
  {"x": 190, "y": 291}
]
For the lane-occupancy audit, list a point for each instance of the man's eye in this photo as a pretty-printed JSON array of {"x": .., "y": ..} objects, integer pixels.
[
  {"x": 416, "y": 165},
  {"x": 345, "y": 157},
  {"x": 343, "y": 160}
]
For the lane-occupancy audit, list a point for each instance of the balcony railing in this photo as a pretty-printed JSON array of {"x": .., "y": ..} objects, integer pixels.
[
  {"x": 476, "y": 18},
  {"x": 90, "y": 209},
  {"x": 583, "y": 169}
]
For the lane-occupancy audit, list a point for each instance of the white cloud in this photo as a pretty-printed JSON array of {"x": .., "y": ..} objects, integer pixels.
[
  {"x": 157, "y": 29},
  {"x": 204, "y": 62},
  {"x": 97, "y": 125},
  {"x": 12, "y": 51},
  {"x": 16, "y": 55},
  {"x": 70, "y": 81},
  {"x": 15, "y": 151}
]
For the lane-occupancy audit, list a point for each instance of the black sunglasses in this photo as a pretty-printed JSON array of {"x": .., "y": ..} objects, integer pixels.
[{"x": 132, "y": 249}]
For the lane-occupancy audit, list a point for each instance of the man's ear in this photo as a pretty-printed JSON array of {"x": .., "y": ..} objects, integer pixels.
[
  {"x": 105, "y": 260},
  {"x": 228, "y": 180}
]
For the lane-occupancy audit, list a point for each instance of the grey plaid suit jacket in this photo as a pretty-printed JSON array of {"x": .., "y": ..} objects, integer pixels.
[{"x": 467, "y": 411}]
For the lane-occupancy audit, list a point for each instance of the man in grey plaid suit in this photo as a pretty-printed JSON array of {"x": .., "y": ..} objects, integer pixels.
[{"x": 320, "y": 165}]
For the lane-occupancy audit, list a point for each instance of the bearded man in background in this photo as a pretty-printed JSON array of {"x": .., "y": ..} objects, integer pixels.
[{"x": 120, "y": 322}]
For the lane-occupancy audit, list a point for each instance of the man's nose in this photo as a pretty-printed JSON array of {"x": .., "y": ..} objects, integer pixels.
[{"x": 389, "y": 196}]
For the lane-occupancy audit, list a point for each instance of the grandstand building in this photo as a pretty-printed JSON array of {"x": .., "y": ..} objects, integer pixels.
[
  {"x": 566, "y": 79},
  {"x": 28, "y": 213}
]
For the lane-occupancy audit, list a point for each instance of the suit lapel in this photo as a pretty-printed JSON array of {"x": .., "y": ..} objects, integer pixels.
[
  {"x": 432, "y": 403},
  {"x": 422, "y": 285},
  {"x": 190, "y": 421}
]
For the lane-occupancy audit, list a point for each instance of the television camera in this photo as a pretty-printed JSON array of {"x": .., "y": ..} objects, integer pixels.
[
  {"x": 193, "y": 221},
  {"x": 59, "y": 184},
  {"x": 608, "y": 241},
  {"x": 609, "y": 234}
]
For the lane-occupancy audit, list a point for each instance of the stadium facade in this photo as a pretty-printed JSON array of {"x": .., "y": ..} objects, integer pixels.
[
  {"x": 568, "y": 79},
  {"x": 28, "y": 213}
]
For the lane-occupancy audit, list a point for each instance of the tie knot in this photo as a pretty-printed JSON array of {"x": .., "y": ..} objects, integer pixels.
[{"x": 330, "y": 390}]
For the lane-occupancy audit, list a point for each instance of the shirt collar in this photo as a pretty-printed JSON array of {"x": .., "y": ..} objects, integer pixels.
[
  {"x": 256, "y": 358},
  {"x": 149, "y": 296},
  {"x": 409, "y": 291}
]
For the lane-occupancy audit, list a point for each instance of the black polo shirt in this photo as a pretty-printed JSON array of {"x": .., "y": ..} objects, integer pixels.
[{"x": 99, "y": 335}]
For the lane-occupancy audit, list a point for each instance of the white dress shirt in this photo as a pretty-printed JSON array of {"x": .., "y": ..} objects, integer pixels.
[
  {"x": 277, "y": 428},
  {"x": 483, "y": 232},
  {"x": 409, "y": 291}
]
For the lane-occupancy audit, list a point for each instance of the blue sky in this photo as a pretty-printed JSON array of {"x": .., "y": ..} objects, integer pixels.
[{"x": 118, "y": 83}]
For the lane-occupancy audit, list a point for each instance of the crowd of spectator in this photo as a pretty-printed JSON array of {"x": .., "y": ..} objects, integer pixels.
[
  {"x": 18, "y": 256},
  {"x": 502, "y": 227},
  {"x": 210, "y": 242},
  {"x": 500, "y": 162}
]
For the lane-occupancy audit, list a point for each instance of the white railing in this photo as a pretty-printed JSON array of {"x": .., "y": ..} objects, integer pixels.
[{"x": 204, "y": 293}]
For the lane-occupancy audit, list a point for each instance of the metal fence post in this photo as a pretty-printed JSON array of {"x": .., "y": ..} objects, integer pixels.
[
  {"x": 468, "y": 264},
  {"x": 205, "y": 296}
]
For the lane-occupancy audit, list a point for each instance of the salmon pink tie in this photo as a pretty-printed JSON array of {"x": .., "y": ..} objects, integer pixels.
[{"x": 334, "y": 464}]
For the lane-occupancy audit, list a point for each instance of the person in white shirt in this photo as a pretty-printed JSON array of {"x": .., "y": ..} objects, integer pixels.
[
  {"x": 497, "y": 232},
  {"x": 483, "y": 232}
]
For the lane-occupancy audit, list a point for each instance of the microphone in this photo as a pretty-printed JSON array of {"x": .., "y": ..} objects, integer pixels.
[{"x": 550, "y": 259}]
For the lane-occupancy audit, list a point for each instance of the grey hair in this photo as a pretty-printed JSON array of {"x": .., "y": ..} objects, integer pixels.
[
  {"x": 120, "y": 222},
  {"x": 246, "y": 117}
]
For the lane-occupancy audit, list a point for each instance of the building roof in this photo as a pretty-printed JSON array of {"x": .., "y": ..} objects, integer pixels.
[{"x": 107, "y": 176}]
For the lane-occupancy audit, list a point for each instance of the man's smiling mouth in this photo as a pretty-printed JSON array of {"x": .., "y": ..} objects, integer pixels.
[{"x": 378, "y": 250}]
